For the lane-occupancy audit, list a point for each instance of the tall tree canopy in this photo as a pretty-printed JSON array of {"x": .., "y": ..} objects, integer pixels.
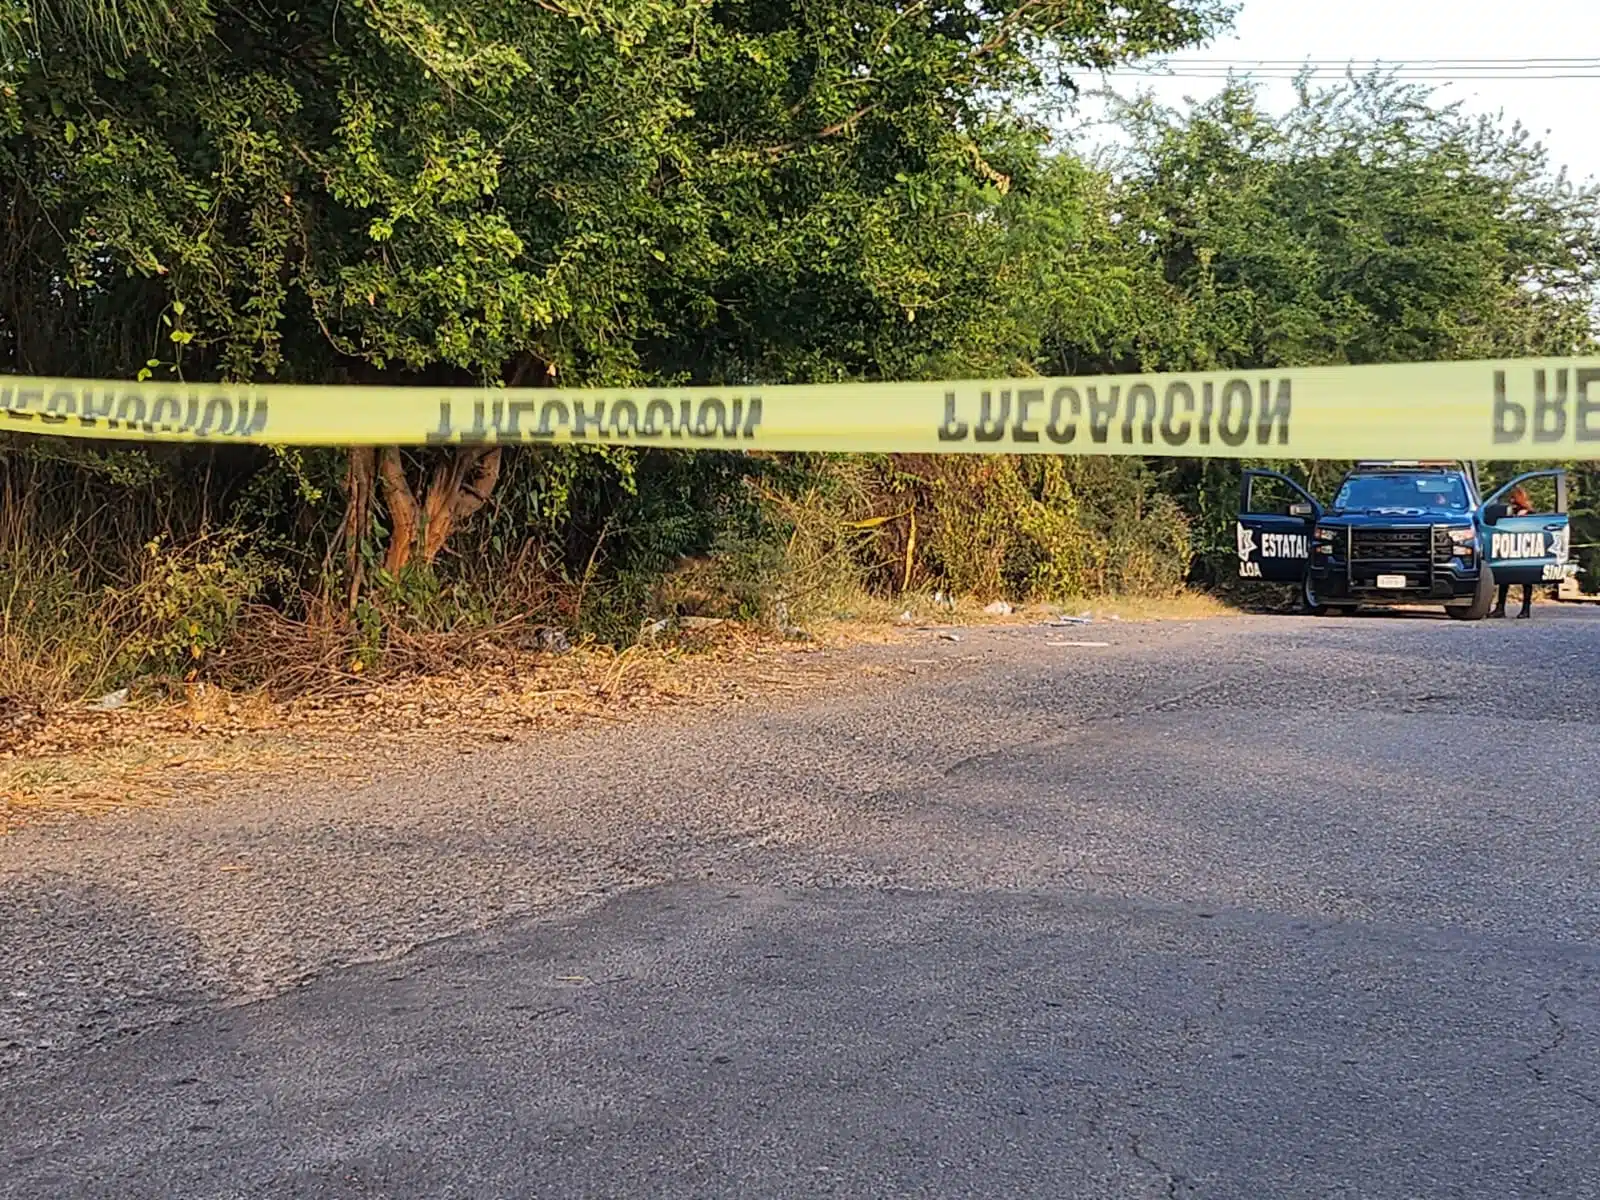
[
  {"x": 595, "y": 189},
  {"x": 1367, "y": 224}
]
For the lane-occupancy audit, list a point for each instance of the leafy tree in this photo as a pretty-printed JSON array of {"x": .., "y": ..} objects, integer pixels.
[
  {"x": 617, "y": 191},
  {"x": 1366, "y": 225}
]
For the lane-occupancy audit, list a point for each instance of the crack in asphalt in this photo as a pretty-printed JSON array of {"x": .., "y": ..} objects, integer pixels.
[
  {"x": 1063, "y": 737},
  {"x": 1557, "y": 1038},
  {"x": 1175, "y": 1180}
]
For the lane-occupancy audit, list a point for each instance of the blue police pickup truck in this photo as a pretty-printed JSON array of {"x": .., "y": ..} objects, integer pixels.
[{"x": 1403, "y": 533}]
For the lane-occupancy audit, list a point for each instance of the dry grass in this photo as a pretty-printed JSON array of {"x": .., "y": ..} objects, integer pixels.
[
  {"x": 868, "y": 614},
  {"x": 205, "y": 742},
  {"x": 1186, "y": 606},
  {"x": 101, "y": 586},
  {"x": 209, "y": 742}
]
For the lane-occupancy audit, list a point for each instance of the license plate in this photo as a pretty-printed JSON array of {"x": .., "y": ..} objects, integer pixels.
[{"x": 1392, "y": 583}]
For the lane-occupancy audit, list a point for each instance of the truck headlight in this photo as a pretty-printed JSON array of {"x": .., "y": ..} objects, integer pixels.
[
  {"x": 1324, "y": 536},
  {"x": 1463, "y": 542}
]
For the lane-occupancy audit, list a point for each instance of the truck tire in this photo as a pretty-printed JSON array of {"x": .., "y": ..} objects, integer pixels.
[
  {"x": 1309, "y": 604},
  {"x": 1312, "y": 606},
  {"x": 1482, "y": 599}
]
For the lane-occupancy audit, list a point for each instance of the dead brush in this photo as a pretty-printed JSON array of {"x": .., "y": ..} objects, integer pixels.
[
  {"x": 63, "y": 637},
  {"x": 330, "y": 652},
  {"x": 833, "y": 549}
]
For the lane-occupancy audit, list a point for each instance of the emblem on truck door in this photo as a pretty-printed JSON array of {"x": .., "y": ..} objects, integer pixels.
[
  {"x": 1246, "y": 542},
  {"x": 1560, "y": 544}
]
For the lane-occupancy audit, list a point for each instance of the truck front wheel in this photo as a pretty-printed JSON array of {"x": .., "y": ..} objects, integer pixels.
[
  {"x": 1309, "y": 604},
  {"x": 1482, "y": 598}
]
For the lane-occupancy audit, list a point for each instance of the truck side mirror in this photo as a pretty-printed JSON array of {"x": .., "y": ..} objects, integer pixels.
[{"x": 1300, "y": 509}]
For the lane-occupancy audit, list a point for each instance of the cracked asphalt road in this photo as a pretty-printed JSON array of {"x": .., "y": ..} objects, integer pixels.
[{"x": 1246, "y": 908}]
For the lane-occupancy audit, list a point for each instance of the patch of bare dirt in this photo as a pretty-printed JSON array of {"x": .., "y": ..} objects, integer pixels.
[
  {"x": 207, "y": 743},
  {"x": 81, "y": 761}
]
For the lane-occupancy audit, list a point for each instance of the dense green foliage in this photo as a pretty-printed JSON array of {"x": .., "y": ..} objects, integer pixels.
[
  {"x": 748, "y": 190},
  {"x": 635, "y": 187}
]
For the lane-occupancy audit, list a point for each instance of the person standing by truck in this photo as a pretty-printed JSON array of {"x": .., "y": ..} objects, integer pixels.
[{"x": 1517, "y": 505}]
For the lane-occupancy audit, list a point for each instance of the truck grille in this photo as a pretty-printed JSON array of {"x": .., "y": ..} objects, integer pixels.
[
  {"x": 1409, "y": 548},
  {"x": 1443, "y": 547}
]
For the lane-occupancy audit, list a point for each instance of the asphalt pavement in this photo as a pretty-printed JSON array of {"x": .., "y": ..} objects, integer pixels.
[{"x": 1248, "y": 908}]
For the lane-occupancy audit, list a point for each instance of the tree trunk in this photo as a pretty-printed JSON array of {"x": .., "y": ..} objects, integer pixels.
[
  {"x": 458, "y": 487},
  {"x": 358, "y": 479},
  {"x": 404, "y": 515}
]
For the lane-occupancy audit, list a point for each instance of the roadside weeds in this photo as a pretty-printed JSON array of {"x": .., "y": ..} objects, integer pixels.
[{"x": 207, "y": 743}]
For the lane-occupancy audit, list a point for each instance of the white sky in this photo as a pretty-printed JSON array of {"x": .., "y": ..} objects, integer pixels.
[{"x": 1562, "y": 113}]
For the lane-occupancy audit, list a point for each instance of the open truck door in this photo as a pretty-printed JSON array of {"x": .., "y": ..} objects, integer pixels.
[
  {"x": 1536, "y": 548},
  {"x": 1274, "y": 527}
]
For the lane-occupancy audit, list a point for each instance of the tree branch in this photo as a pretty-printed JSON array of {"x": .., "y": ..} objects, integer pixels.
[
  {"x": 827, "y": 132},
  {"x": 458, "y": 489}
]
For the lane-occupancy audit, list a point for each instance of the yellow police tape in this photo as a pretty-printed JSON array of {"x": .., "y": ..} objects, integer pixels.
[{"x": 1513, "y": 409}]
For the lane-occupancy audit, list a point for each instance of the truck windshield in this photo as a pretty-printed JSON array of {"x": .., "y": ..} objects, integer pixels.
[{"x": 1437, "y": 493}]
